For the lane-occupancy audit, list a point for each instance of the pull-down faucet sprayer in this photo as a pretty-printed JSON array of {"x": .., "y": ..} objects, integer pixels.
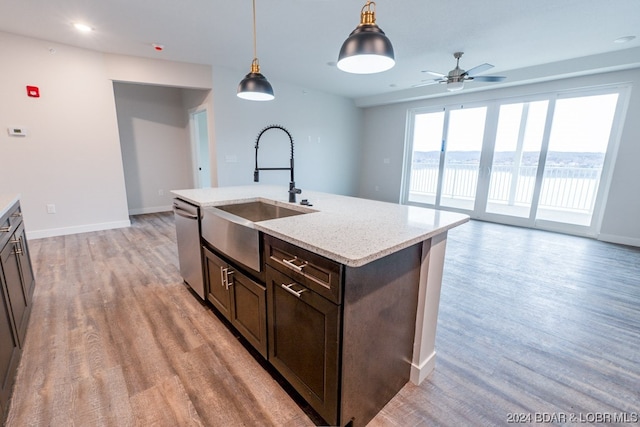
[{"x": 256, "y": 173}]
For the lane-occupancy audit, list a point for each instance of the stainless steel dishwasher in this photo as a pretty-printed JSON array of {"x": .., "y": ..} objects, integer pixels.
[{"x": 187, "y": 219}]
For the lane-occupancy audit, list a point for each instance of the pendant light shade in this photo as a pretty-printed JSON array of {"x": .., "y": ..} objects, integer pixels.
[
  {"x": 367, "y": 50},
  {"x": 255, "y": 86}
]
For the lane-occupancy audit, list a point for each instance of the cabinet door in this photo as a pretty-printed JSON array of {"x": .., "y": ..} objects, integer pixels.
[
  {"x": 9, "y": 351},
  {"x": 249, "y": 310},
  {"x": 18, "y": 307},
  {"x": 303, "y": 341},
  {"x": 219, "y": 295},
  {"x": 26, "y": 269}
]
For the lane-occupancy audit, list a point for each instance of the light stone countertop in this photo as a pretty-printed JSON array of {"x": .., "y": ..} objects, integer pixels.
[
  {"x": 6, "y": 201},
  {"x": 349, "y": 230}
]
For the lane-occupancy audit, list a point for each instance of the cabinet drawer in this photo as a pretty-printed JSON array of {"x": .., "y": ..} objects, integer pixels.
[
  {"x": 314, "y": 271},
  {"x": 9, "y": 222}
]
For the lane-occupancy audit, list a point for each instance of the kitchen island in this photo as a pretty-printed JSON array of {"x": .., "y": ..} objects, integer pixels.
[{"x": 380, "y": 272}]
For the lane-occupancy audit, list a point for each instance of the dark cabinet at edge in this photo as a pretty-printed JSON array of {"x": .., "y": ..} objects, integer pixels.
[
  {"x": 16, "y": 290},
  {"x": 342, "y": 336},
  {"x": 238, "y": 298}
]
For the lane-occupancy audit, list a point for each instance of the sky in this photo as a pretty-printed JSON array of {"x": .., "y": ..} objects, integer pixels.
[{"x": 580, "y": 124}]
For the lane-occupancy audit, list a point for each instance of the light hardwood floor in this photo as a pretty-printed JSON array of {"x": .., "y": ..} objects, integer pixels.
[{"x": 530, "y": 322}]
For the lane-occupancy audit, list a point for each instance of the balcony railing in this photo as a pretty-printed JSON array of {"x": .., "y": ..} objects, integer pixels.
[{"x": 570, "y": 188}]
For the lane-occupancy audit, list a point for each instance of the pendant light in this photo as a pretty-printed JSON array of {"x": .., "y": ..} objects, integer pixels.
[
  {"x": 367, "y": 50},
  {"x": 255, "y": 86}
]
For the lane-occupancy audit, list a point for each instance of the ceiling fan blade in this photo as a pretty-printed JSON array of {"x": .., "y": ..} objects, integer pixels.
[
  {"x": 479, "y": 69},
  {"x": 489, "y": 78},
  {"x": 433, "y": 73}
]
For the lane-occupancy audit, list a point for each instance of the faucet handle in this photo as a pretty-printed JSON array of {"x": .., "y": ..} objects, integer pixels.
[{"x": 293, "y": 191}]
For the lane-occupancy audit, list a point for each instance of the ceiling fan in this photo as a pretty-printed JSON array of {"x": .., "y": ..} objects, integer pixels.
[{"x": 456, "y": 77}]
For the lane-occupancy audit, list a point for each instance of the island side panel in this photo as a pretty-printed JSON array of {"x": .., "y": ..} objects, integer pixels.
[
  {"x": 432, "y": 266},
  {"x": 380, "y": 303}
]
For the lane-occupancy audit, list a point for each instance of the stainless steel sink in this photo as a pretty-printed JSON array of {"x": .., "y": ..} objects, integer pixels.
[
  {"x": 230, "y": 228},
  {"x": 259, "y": 211}
]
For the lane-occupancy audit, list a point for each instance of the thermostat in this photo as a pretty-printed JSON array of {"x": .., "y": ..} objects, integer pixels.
[{"x": 17, "y": 131}]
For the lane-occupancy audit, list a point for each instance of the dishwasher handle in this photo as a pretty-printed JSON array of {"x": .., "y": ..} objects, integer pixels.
[{"x": 183, "y": 213}]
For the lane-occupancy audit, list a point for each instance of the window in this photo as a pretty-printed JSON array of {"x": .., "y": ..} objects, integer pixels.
[{"x": 525, "y": 162}]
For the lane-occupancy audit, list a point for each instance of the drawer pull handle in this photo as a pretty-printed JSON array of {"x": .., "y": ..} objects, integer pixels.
[
  {"x": 291, "y": 291},
  {"x": 291, "y": 263},
  {"x": 5, "y": 229},
  {"x": 229, "y": 282},
  {"x": 16, "y": 214},
  {"x": 224, "y": 277}
]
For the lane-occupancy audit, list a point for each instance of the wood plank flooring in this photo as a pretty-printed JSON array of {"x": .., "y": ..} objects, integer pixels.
[{"x": 529, "y": 322}]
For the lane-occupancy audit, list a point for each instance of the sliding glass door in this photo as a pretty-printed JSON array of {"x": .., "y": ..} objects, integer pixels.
[
  {"x": 529, "y": 163},
  {"x": 516, "y": 155},
  {"x": 575, "y": 158},
  {"x": 462, "y": 149},
  {"x": 445, "y": 157}
]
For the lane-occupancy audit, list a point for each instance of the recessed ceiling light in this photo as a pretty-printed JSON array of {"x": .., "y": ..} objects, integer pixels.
[
  {"x": 83, "y": 28},
  {"x": 624, "y": 39}
]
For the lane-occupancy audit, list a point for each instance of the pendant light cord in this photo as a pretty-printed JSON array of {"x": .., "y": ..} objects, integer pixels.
[{"x": 255, "y": 43}]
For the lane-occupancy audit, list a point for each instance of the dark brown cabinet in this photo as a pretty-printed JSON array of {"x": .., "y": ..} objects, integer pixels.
[
  {"x": 18, "y": 281},
  {"x": 342, "y": 336},
  {"x": 238, "y": 298},
  {"x": 9, "y": 351},
  {"x": 17, "y": 285},
  {"x": 303, "y": 341}
]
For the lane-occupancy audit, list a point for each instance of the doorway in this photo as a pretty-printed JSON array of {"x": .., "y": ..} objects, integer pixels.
[{"x": 198, "y": 119}]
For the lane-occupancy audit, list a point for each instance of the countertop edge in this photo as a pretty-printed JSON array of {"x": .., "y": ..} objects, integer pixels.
[
  {"x": 7, "y": 201},
  {"x": 359, "y": 262}
]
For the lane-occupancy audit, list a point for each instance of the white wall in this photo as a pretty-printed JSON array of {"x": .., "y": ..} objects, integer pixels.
[
  {"x": 71, "y": 156},
  {"x": 384, "y": 138},
  {"x": 156, "y": 149},
  {"x": 326, "y": 130}
]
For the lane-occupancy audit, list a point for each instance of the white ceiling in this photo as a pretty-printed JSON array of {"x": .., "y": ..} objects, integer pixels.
[{"x": 298, "y": 39}]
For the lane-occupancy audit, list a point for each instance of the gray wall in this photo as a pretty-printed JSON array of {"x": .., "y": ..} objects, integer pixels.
[
  {"x": 155, "y": 144},
  {"x": 326, "y": 131},
  {"x": 384, "y": 140}
]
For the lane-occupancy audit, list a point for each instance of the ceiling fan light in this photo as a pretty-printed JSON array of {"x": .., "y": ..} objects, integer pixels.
[
  {"x": 367, "y": 50},
  {"x": 455, "y": 86}
]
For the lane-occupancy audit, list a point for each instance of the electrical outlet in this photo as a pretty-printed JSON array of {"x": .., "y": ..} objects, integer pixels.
[{"x": 51, "y": 208}]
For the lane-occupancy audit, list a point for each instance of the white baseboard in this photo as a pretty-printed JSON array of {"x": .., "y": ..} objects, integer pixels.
[
  {"x": 622, "y": 240},
  {"x": 153, "y": 209},
  {"x": 52, "y": 232},
  {"x": 422, "y": 371}
]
